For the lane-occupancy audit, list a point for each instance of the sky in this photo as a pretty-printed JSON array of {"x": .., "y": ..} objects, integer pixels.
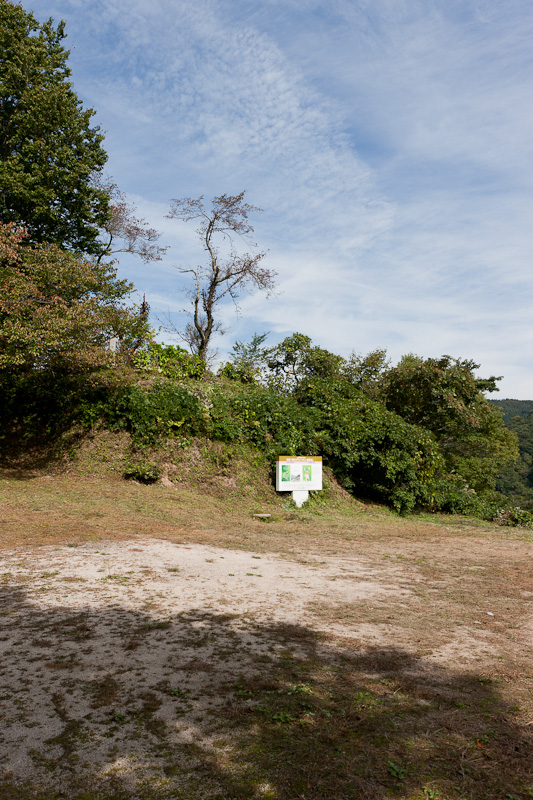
[{"x": 388, "y": 143}]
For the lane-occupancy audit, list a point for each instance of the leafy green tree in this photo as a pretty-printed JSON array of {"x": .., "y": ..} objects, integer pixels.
[
  {"x": 444, "y": 396},
  {"x": 247, "y": 360},
  {"x": 373, "y": 451},
  {"x": 296, "y": 360},
  {"x": 367, "y": 372},
  {"x": 48, "y": 149},
  {"x": 516, "y": 479},
  {"x": 58, "y": 309}
]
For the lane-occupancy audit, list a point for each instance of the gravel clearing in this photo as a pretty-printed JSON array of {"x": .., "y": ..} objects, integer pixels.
[{"x": 117, "y": 655}]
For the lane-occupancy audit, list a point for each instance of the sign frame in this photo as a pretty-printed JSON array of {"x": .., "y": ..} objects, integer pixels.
[{"x": 298, "y": 473}]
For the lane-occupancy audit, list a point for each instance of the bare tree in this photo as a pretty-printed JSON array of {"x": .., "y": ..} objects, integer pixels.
[
  {"x": 227, "y": 273},
  {"x": 124, "y": 232}
]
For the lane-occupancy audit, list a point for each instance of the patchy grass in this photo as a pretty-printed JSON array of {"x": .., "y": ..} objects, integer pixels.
[
  {"x": 365, "y": 727},
  {"x": 417, "y": 685}
]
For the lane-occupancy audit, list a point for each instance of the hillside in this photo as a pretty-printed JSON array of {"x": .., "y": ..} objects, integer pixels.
[{"x": 513, "y": 408}]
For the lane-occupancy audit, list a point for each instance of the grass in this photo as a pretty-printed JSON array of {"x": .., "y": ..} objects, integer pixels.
[{"x": 403, "y": 707}]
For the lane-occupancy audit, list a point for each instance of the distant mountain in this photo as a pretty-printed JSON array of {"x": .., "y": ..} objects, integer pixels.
[
  {"x": 515, "y": 481},
  {"x": 513, "y": 408}
]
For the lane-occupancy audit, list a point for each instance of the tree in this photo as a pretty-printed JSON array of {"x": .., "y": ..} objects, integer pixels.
[
  {"x": 227, "y": 273},
  {"x": 295, "y": 361},
  {"x": 48, "y": 149},
  {"x": 516, "y": 480},
  {"x": 58, "y": 309},
  {"x": 248, "y": 360},
  {"x": 367, "y": 372},
  {"x": 123, "y": 232},
  {"x": 443, "y": 396}
]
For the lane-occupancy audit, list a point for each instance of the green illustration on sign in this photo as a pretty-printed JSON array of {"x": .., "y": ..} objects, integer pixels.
[
  {"x": 307, "y": 472},
  {"x": 285, "y": 472}
]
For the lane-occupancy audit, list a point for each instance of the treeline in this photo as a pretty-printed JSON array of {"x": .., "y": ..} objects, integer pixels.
[
  {"x": 516, "y": 479},
  {"x": 513, "y": 408},
  {"x": 420, "y": 435}
]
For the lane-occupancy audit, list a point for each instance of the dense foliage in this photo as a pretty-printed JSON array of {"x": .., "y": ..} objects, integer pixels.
[
  {"x": 513, "y": 408},
  {"x": 516, "y": 478},
  {"x": 48, "y": 148},
  {"x": 419, "y": 434},
  {"x": 169, "y": 360},
  {"x": 373, "y": 451},
  {"x": 444, "y": 397},
  {"x": 58, "y": 310}
]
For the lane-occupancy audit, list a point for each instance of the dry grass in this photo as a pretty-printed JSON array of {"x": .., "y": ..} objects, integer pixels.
[{"x": 400, "y": 668}]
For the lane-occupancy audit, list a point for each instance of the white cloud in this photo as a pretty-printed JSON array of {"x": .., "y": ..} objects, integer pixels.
[{"x": 389, "y": 142}]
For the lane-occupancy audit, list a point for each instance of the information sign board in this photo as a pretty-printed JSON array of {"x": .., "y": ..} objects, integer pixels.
[{"x": 298, "y": 473}]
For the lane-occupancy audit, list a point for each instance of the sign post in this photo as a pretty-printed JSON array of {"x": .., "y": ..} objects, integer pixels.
[{"x": 298, "y": 475}]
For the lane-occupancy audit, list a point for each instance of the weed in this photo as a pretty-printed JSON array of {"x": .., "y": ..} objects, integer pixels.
[
  {"x": 397, "y": 770},
  {"x": 142, "y": 470},
  {"x": 283, "y": 717},
  {"x": 178, "y": 692}
]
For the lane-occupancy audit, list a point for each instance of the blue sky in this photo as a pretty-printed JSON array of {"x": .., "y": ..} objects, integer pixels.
[{"x": 388, "y": 142}]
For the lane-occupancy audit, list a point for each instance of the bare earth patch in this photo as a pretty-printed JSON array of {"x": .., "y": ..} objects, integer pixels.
[{"x": 379, "y": 659}]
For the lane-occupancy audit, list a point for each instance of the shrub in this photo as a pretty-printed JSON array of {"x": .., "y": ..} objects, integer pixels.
[
  {"x": 453, "y": 495},
  {"x": 242, "y": 373},
  {"x": 164, "y": 409},
  {"x": 142, "y": 470},
  {"x": 43, "y": 405},
  {"x": 373, "y": 451},
  {"x": 514, "y": 517},
  {"x": 171, "y": 361}
]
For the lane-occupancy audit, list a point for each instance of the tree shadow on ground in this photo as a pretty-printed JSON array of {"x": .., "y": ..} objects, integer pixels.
[{"x": 109, "y": 702}]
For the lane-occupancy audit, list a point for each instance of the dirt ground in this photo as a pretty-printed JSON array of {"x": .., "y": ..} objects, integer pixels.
[{"x": 158, "y": 644}]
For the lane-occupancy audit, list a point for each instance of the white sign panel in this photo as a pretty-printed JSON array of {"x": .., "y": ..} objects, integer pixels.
[{"x": 296, "y": 473}]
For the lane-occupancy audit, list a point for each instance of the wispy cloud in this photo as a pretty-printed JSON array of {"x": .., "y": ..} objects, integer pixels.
[{"x": 389, "y": 143}]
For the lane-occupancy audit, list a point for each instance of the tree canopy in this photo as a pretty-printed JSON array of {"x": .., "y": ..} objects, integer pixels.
[
  {"x": 48, "y": 149},
  {"x": 58, "y": 309},
  {"x": 444, "y": 396}
]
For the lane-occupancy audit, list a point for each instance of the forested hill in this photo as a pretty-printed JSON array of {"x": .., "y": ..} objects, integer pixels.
[
  {"x": 513, "y": 408},
  {"x": 516, "y": 479}
]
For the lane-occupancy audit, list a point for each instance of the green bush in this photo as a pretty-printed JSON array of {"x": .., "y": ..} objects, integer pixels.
[
  {"x": 371, "y": 450},
  {"x": 171, "y": 361},
  {"x": 514, "y": 517},
  {"x": 142, "y": 469},
  {"x": 453, "y": 495},
  {"x": 164, "y": 409},
  {"x": 243, "y": 373},
  {"x": 274, "y": 422},
  {"x": 43, "y": 405}
]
